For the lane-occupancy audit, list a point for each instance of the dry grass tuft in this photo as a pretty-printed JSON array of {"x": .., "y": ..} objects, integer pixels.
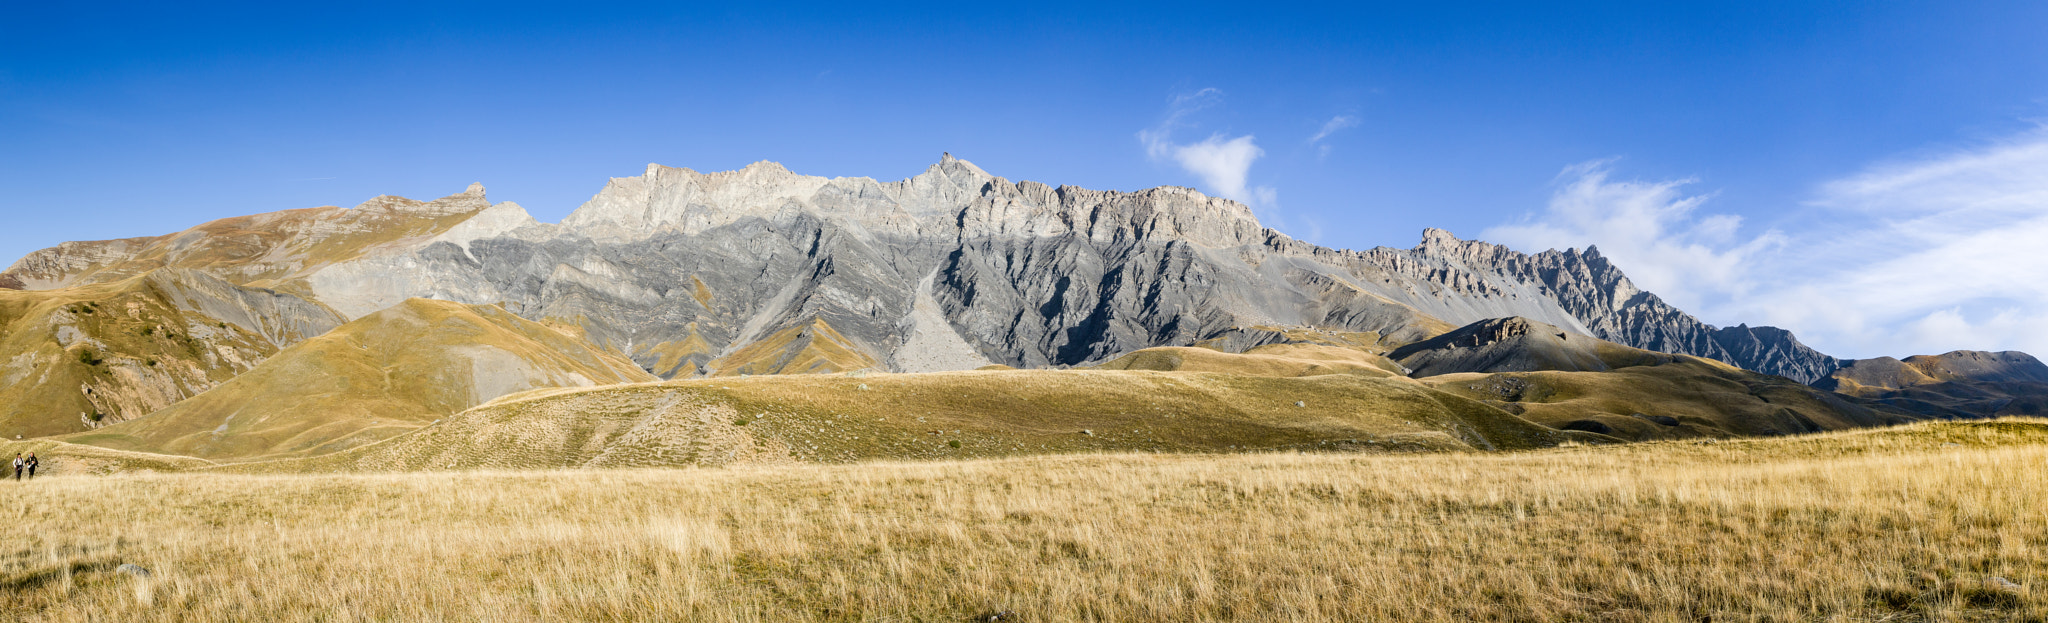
[{"x": 1920, "y": 523}]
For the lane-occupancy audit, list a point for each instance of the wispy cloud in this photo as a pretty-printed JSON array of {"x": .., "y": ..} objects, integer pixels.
[
  {"x": 1927, "y": 255},
  {"x": 1649, "y": 229},
  {"x": 1937, "y": 253},
  {"x": 1336, "y": 123},
  {"x": 1222, "y": 162}
]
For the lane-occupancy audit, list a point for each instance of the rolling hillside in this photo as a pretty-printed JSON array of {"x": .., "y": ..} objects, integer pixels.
[
  {"x": 1964, "y": 383},
  {"x": 79, "y": 358},
  {"x": 844, "y": 418},
  {"x": 373, "y": 378}
]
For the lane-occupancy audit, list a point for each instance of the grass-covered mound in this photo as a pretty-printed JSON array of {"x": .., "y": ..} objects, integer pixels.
[{"x": 843, "y": 418}]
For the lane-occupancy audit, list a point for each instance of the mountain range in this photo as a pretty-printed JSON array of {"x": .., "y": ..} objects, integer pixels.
[{"x": 762, "y": 271}]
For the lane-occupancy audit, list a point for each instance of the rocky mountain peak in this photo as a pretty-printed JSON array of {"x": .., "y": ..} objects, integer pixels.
[
  {"x": 1434, "y": 239},
  {"x": 471, "y": 199}
]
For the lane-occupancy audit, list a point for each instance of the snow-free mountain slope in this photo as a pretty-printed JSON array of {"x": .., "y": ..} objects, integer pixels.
[
  {"x": 89, "y": 356},
  {"x": 375, "y": 377},
  {"x": 763, "y": 270},
  {"x": 1964, "y": 383},
  {"x": 1518, "y": 345},
  {"x": 290, "y": 250}
]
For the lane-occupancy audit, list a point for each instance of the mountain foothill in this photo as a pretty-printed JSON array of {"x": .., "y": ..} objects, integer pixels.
[{"x": 762, "y": 316}]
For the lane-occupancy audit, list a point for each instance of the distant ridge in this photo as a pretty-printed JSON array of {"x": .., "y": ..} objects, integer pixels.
[
  {"x": 1964, "y": 383},
  {"x": 766, "y": 271}
]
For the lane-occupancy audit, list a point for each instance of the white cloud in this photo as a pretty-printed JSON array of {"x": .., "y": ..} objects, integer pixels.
[
  {"x": 1939, "y": 253},
  {"x": 1920, "y": 256},
  {"x": 1223, "y": 163},
  {"x": 1336, "y": 123},
  {"x": 1646, "y": 228}
]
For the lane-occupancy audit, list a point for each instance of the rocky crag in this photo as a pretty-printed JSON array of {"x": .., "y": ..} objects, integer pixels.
[
  {"x": 1601, "y": 302},
  {"x": 762, "y": 270}
]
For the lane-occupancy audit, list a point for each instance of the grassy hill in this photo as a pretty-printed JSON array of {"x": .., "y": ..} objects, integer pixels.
[
  {"x": 1954, "y": 384},
  {"x": 78, "y": 358},
  {"x": 1287, "y": 359},
  {"x": 58, "y": 458},
  {"x": 1690, "y": 397},
  {"x": 370, "y": 379},
  {"x": 842, "y": 418},
  {"x": 1519, "y": 345}
]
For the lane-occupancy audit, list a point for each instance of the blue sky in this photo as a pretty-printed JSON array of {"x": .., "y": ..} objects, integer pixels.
[{"x": 1812, "y": 165}]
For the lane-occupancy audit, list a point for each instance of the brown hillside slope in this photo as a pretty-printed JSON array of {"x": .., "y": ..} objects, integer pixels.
[
  {"x": 809, "y": 348},
  {"x": 1964, "y": 383},
  {"x": 272, "y": 250},
  {"x": 58, "y": 458},
  {"x": 373, "y": 378},
  {"x": 1519, "y": 345},
  {"x": 78, "y": 358},
  {"x": 1691, "y": 397},
  {"x": 1268, "y": 360},
  {"x": 939, "y": 415},
  {"x": 1579, "y": 383}
]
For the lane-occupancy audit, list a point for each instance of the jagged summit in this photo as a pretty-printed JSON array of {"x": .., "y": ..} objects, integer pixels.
[{"x": 949, "y": 198}]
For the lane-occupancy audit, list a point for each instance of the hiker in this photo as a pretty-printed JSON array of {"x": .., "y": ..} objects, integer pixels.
[
  {"x": 32, "y": 463},
  {"x": 18, "y": 464}
]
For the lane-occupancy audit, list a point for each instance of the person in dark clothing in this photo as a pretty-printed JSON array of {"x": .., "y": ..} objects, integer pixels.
[{"x": 32, "y": 463}]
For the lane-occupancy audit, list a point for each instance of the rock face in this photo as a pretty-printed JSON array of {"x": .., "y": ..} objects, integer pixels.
[
  {"x": 1601, "y": 302},
  {"x": 1774, "y": 351},
  {"x": 762, "y": 270}
]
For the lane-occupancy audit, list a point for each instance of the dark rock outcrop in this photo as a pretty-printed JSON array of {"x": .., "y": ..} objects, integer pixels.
[{"x": 1518, "y": 345}]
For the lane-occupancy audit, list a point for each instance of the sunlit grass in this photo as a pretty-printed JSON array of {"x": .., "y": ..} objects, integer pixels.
[{"x": 1919, "y": 523}]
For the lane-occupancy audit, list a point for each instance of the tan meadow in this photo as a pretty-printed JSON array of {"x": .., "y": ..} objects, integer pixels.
[{"x": 1929, "y": 522}]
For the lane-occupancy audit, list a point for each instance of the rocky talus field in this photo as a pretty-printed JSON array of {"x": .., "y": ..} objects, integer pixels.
[{"x": 760, "y": 395}]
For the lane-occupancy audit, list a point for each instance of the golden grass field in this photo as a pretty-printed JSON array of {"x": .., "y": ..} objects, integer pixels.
[{"x": 1915, "y": 523}]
